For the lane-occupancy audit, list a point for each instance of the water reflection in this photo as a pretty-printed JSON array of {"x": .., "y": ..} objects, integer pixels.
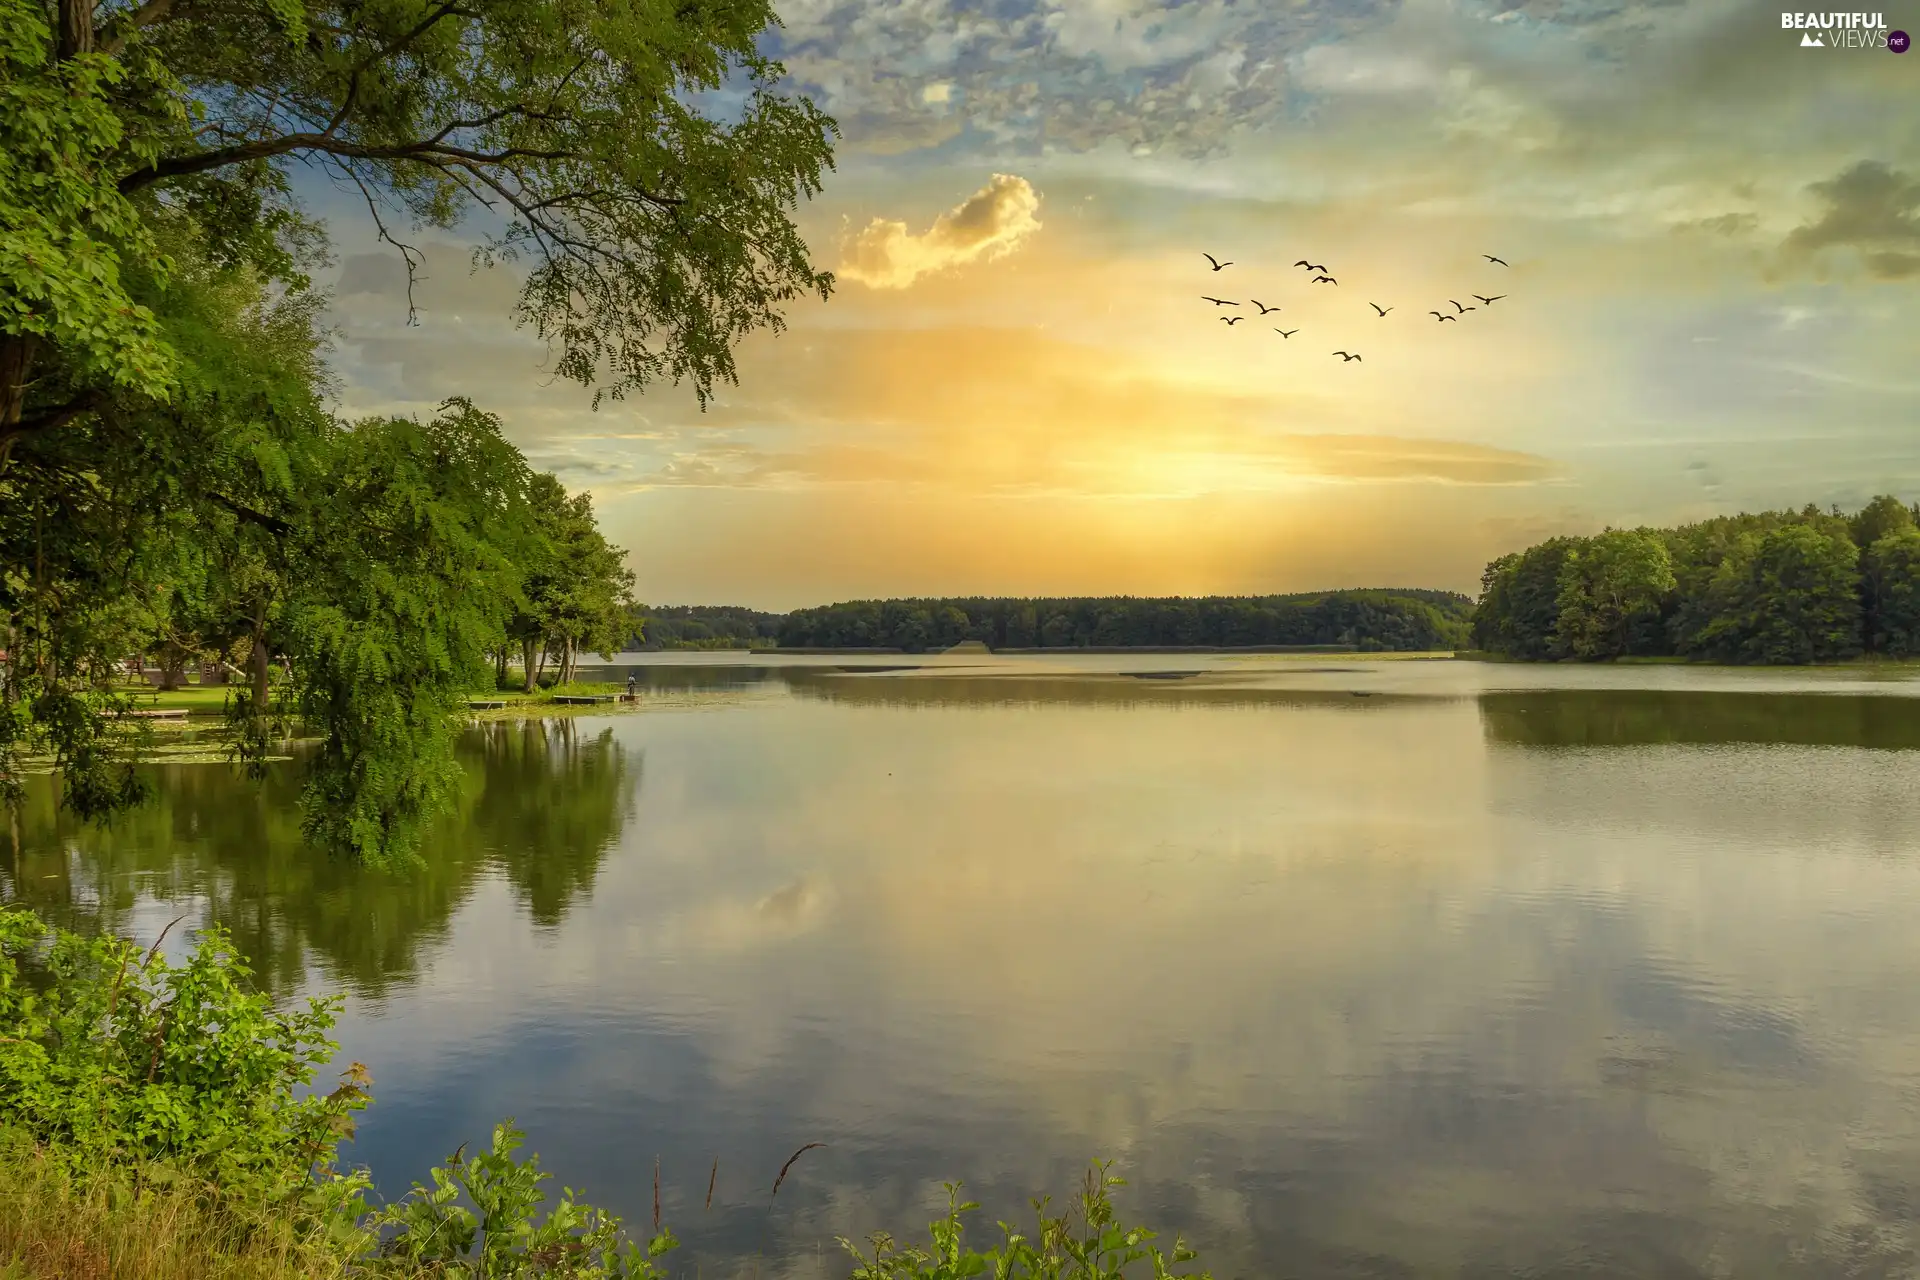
[
  {"x": 1640, "y": 717},
  {"x": 1389, "y": 986},
  {"x": 540, "y": 805}
]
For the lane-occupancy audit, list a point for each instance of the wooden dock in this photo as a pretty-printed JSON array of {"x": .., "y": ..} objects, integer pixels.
[
  {"x": 583, "y": 699},
  {"x": 486, "y": 704},
  {"x": 155, "y": 713}
]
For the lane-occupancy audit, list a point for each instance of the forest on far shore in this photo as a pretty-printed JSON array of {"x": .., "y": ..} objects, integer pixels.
[
  {"x": 1395, "y": 619},
  {"x": 1777, "y": 587}
]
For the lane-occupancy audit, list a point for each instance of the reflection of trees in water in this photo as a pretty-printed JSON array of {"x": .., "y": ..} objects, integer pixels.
[
  {"x": 1638, "y": 717},
  {"x": 1168, "y": 688},
  {"x": 542, "y": 802}
]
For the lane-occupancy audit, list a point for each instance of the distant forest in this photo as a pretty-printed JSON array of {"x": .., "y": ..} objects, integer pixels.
[
  {"x": 1779, "y": 587},
  {"x": 1391, "y": 619},
  {"x": 701, "y": 626}
]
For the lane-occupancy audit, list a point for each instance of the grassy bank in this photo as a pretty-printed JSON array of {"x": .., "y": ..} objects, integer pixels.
[{"x": 120, "y": 1225}]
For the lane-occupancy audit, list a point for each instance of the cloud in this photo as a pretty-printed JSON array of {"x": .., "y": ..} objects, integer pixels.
[
  {"x": 1871, "y": 208},
  {"x": 991, "y": 223}
]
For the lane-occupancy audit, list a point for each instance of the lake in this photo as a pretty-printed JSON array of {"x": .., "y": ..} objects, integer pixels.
[{"x": 1356, "y": 968}]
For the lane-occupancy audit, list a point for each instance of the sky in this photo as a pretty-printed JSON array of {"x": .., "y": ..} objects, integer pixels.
[{"x": 1712, "y": 301}]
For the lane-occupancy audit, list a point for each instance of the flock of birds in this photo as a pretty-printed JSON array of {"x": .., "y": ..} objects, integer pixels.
[{"x": 1319, "y": 275}]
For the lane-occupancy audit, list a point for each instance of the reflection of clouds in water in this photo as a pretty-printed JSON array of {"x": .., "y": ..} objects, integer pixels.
[{"x": 1363, "y": 992}]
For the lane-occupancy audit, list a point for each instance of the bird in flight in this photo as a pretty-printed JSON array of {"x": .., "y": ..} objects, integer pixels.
[
  {"x": 1438, "y": 315},
  {"x": 1219, "y": 302},
  {"x": 1462, "y": 310},
  {"x": 1233, "y": 319},
  {"x": 1490, "y": 301},
  {"x": 1217, "y": 264},
  {"x": 1264, "y": 308},
  {"x": 1286, "y": 333},
  {"x": 1325, "y": 280},
  {"x": 1377, "y": 307},
  {"x": 1346, "y": 357},
  {"x": 1490, "y": 258},
  {"x": 1309, "y": 266}
]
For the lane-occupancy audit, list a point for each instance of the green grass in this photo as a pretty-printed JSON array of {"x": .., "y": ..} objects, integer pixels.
[{"x": 111, "y": 1227}]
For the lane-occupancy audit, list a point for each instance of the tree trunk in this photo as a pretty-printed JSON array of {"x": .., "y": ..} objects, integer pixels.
[
  {"x": 500, "y": 667},
  {"x": 260, "y": 662},
  {"x": 16, "y": 368},
  {"x": 76, "y": 28},
  {"x": 540, "y": 669},
  {"x": 527, "y": 648}
]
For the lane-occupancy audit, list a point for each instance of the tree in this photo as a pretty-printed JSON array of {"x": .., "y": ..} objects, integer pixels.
[
  {"x": 1519, "y": 610},
  {"x": 1884, "y": 515},
  {"x": 406, "y": 586},
  {"x": 1789, "y": 596},
  {"x": 1611, "y": 586},
  {"x": 654, "y": 236},
  {"x": 575, "y": 589},
  {"x": 111, "y": 526},
  {"x": 1891, "y": 568}
]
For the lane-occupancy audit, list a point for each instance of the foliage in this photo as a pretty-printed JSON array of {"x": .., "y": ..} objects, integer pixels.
[
  {"x": 1770, "y": 587},
  {"x": 1095, "y": 1247},
  {"x": 1789, "y": 596},
  {"x": 431, "y": 1230},
  {"x": 140, "y": 1222},
  {"x": 655, "y": 235},
  {"x": 405, "y": 593},
  {"x": 575, "y": 591},
  {"x": 168, "y": 482},
  {"x": 1890, "y": 570},
  {"x": 1610, "y": 589},
  {"x": 111, "y": 1057},
  {"x": 701, "y": 627},
  {"x": 66, "y": 230},
  {"x": 1406, "y": 620}
]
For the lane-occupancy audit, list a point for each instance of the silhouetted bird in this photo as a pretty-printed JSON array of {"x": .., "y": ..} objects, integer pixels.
[
  {"x": 1346, "y": 358},
  {"x": 1286, "y": 333},
  {"x": 1489, "y": 301},
  {"x": 1264, "y": 308},
  {"x": 1309, "y": 266},
  {"x": 1377, "y": 307},
  {"x": 1325, "y": 280},
  {"x": 1490, "y": 258},
  {"x": 1233, "y": 319},
  {"x": 1439, "y": 315},
  {"x": 1217, "y": 264},
  {"x": 1219, "y": 302},
  {"x": 1462, "y": 310}
]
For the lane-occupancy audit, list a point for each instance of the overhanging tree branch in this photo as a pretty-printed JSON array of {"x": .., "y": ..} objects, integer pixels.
[{"x": 287, "y": 144}]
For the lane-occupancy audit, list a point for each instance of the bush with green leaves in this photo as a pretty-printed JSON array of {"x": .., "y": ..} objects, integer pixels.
[
  {"x": 111, "y": 1056},
  {"x": 501, "y": 1234},
  {"x": 1095, "y": 1246}
]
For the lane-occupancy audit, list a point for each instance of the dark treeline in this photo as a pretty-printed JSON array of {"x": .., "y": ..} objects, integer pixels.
[
  {"x": 1370, "y": 620},
  {"x": 701, "y": 626},
  {"x": 1778, "y": 587}
]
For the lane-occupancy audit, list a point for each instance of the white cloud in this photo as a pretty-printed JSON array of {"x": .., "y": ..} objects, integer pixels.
[{"x": 989, "y": 224}]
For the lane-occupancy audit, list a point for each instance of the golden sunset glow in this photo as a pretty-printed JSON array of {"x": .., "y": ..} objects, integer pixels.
[{"x": 1713, "y": 242}]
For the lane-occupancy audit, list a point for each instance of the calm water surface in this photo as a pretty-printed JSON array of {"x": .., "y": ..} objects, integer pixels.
[{"x": 1494, "y": 971}]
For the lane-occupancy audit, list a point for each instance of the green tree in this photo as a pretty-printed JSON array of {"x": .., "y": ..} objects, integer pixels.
[
  {"x": 1789, "y": 596},
  {"x": 406, "y": 586},
  {"x": 1891, "y": 570},
  {"x": 654, "y": 235},
  {"x": 1611, "y": 587},
  {"x": 1519, "y": 610}
]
